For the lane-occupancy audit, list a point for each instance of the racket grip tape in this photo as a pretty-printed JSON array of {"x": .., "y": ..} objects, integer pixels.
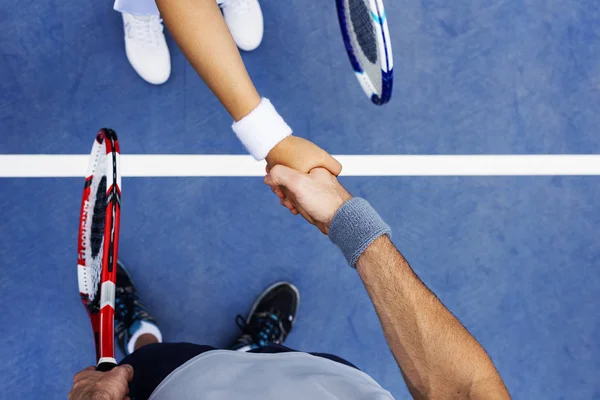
[{"x": 105, "y": 366}]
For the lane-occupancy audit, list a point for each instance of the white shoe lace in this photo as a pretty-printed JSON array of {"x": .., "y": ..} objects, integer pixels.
[
  {"x": 237, "y": 6},
  {"x": 145, "y": 29}
]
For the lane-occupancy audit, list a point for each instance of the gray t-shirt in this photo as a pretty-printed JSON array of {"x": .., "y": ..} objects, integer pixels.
[{"x": 225, "y": 374}]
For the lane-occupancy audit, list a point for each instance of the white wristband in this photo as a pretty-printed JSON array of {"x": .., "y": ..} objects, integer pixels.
[{"x": 261, "y": 130}]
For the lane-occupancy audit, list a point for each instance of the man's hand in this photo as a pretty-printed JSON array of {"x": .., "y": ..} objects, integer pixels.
[
  {"x": 90, "y": 384},
  {"x": 302, "y": 155},
  {"x": 316, "y": 195}
]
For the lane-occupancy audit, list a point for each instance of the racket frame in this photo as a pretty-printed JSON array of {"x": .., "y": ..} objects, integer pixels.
[
  {"x": 384, "y": 47},
  {"x": 101, "y": 311}
]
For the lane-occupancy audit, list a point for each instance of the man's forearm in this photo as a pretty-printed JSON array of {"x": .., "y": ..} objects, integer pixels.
[
  {"x": 437, "y": 355},
  {"x": 200, "y": 31}
]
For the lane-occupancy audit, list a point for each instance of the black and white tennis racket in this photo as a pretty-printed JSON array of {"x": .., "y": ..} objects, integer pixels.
[
  {"x": 98, "y": 243},
  {"x": 367, "y": 40}
]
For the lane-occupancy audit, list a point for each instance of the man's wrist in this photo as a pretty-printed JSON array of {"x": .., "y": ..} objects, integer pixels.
[
  {"x": 354, "y": 227},
  {"x": 377, "y": 254},
  {"x": 345, "y": 196}
]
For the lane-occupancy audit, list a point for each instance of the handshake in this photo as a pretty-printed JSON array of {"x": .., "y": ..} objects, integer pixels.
[
  {"x": 303, "y": 176},
  {"x": 299, "y": 172}
]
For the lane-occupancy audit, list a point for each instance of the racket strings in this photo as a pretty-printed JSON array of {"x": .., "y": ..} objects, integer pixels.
[
  {"x": 362, "y": 24},
  {"x": 94, "y": 228},
  {"x": 98, "y": 218},
  {"x": 361, "y": 27}
]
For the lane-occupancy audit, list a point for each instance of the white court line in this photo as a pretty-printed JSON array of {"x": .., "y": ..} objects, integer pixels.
[{"x": 161, "y": 165}]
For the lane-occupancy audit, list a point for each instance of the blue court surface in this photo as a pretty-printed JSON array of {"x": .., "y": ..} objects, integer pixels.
[{"x": 515, "y": 258}]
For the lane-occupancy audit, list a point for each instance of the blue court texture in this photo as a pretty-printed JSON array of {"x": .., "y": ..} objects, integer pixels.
[{"x": 515, "y": 258}]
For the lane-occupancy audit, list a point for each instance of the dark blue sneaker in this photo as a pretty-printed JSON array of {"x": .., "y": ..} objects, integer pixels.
[
  {"x": 271, "y": 318},
  {"x": 131, "y": 316}
]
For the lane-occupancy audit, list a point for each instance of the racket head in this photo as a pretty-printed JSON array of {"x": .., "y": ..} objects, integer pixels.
[
  {"x": 98, "y": 243},
  {"x": 367, "y": 40}
]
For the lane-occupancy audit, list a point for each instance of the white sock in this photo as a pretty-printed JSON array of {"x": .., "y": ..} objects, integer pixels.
[
  {"x": 145, "y": 328},
  {"x": 244, "y": 349}
]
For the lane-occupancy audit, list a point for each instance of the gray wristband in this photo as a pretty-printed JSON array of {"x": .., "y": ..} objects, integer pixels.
[{"x": 354, "y": 227}]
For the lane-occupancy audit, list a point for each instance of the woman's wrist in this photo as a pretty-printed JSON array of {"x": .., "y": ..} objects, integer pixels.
[{"x": 261, "y": 130}]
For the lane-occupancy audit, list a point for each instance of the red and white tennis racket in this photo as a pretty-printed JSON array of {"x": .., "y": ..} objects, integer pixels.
[{"x": 99, "y": 242}]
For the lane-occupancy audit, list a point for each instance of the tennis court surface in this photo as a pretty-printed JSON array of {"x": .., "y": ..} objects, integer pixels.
[{"x": 515, "y": 258}]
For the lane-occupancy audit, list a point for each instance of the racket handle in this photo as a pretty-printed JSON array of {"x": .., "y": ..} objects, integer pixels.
[{"x": 105, "y": 366}]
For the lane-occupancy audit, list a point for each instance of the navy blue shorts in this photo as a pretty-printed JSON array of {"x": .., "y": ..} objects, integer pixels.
[{"x": 154, "y": 362}]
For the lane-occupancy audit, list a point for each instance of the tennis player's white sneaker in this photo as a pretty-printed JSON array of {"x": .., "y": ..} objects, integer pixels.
[
  {"x": 146, "y": 47},
  {"x": 245, "y": 21}
]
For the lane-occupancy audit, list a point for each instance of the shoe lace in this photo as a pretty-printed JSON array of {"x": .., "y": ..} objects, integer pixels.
[
  {"x": 146, "y": 29},
  {"x": 128, "y": 308},
  {"x": 264, "y": 329},
  {"x": 238, "y": 6},
  {"x": 124, "y": 301}
]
